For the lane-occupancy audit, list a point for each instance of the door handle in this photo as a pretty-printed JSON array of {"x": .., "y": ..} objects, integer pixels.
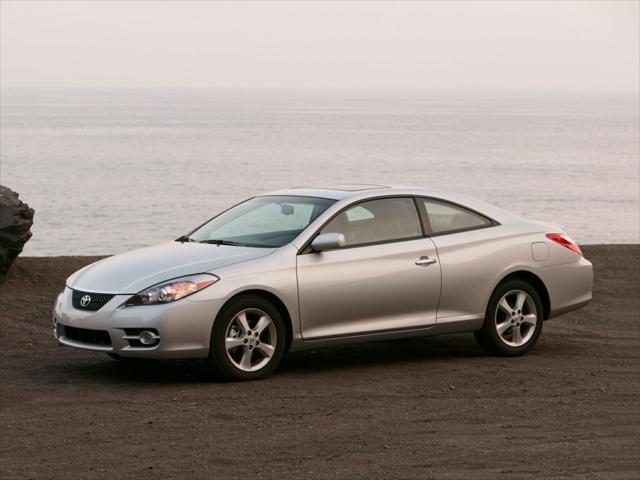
[{"x": 425, "y": 261}]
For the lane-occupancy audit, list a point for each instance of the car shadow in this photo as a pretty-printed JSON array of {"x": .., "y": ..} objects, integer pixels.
[
  {"x": 389, "y": 352},
  {"x": 370, "y": 355}
]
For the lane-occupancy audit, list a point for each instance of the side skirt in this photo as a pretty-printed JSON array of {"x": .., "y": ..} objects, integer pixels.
[{"x": 444, "y": 328}]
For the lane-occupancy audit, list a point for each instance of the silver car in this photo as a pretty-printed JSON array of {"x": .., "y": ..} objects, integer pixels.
[{"x": 311, "y": 267}]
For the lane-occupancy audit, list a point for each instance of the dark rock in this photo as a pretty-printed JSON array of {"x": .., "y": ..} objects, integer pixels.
[{"x": 16, "y": 219}]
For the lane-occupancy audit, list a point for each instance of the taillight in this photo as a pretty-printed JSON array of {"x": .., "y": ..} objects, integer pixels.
[{"x": 564, "y": 240}]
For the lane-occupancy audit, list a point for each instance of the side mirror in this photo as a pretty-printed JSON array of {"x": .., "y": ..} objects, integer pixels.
[{"x": 328, "y": 241}]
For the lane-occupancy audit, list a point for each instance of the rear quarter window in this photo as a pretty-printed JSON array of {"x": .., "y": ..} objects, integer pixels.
[{"x": 446, "y": 217}]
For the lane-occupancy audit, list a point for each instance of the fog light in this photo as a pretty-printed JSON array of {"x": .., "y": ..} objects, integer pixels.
[
  {"x": 147, "y": 337},
  {"x": 55, "y": 327}
]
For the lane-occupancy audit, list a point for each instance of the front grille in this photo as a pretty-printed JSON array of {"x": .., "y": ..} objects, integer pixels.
[
  {"x": 84, "y": 335},
  {"x": 89, "y": 300}
]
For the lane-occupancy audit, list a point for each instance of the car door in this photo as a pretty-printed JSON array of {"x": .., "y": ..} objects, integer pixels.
[{"x": 386, "y": 277}]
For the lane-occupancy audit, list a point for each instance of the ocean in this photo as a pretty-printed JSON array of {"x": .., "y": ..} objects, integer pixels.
[{"x": 111, "y": 170}]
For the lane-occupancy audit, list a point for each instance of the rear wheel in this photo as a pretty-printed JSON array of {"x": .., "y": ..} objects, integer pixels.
[
  {"x": 513, "y": 320},
  {"x": 248, "y": 339}
]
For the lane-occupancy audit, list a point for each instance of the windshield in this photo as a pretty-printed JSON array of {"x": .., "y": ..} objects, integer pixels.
[{"x": 268, "y": 221}]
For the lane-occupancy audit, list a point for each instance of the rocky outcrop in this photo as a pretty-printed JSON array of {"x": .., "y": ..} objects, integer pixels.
[{"x": 16, "y": 219}]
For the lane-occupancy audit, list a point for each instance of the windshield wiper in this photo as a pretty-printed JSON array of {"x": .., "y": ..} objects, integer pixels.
[
  {"x": 223, "y": 242},
  {"x": 184, "y": 238}
]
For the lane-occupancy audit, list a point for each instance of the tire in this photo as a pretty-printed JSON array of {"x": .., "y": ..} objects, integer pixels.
[
  {"x": 508, "y": 330},
  {"x": 243, "y": 330}
]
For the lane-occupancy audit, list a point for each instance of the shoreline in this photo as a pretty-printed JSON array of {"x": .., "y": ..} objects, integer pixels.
[{"x": 104, "y": 255}]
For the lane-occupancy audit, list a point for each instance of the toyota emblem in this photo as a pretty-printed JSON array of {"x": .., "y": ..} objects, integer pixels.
[{"x": 85, "y": 300}]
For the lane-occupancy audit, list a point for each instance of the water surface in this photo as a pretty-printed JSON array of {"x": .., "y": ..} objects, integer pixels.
[{"x": 107, "y": 171}]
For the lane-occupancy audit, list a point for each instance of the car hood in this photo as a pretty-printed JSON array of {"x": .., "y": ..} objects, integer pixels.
[{"x": 131, "y": 272}]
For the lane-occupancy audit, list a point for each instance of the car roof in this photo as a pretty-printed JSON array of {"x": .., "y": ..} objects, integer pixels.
[
  {"x": 334, "y": 192},
  {"x": 363, "y": 191}
]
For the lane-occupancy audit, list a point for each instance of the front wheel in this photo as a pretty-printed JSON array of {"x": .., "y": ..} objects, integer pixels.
[
  {"x": 513, "y": 320},
  {"x": 248, "y": 339}
]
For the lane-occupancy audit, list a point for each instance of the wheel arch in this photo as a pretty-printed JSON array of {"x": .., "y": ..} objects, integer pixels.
[
  {"x": 536, "y": 282},
  {"x": 277, "y": 303}
]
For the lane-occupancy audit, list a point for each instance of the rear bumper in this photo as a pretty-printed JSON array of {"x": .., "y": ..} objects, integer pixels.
[
  {"x": 183, "y": 327},
  {"x": 570, "y": 285}
]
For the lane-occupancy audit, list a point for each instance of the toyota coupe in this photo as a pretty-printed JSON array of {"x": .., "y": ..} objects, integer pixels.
[{"x": 311, "y": 267}]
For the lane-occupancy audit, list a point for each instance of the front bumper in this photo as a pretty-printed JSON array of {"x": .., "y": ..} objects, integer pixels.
[{"x": 183, "y": 327}]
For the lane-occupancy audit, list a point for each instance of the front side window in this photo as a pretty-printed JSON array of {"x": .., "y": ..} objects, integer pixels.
[
  {"x": 445, "y": 217},
  {"x": 375, "y": 221},
  {"x": 268, "y": 221}
]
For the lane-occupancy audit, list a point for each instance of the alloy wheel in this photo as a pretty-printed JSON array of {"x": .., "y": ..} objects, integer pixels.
[
  {"x": 250, "y": 339},
  {"x": 516, "y": 318}
]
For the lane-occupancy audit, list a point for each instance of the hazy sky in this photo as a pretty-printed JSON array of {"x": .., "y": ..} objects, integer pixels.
[{"x": 476, "y": 45}]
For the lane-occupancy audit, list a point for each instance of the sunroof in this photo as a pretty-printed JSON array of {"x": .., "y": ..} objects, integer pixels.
[{"x": 349, "y": 187}]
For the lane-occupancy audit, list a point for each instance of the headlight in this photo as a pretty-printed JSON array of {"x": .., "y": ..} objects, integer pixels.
[{"x": 172, "y": 290}]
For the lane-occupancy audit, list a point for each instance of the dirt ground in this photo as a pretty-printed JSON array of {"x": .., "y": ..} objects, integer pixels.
[{"x": 425, "y": 408}]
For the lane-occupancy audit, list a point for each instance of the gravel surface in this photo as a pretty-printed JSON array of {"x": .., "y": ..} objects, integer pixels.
[{"x": 424, "y": 408}]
